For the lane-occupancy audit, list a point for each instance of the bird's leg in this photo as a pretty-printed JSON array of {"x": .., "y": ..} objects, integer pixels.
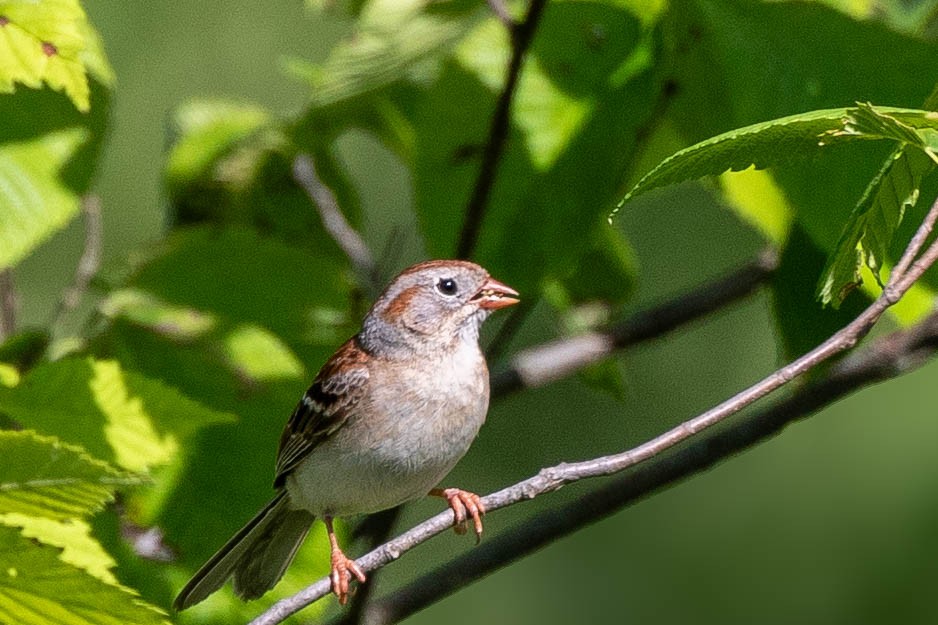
[
  {"x": 463, "y": 503},
  {"x": 343, "y": 567}
]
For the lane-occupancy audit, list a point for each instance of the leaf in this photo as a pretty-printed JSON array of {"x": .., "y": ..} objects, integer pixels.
[
  {"x": 35, "y": 200},
  {"x": 784, "y": 140},
  {"x": 38, "y": 588},
  {"x": 73, "y": 537},
  {"x": 874, "y": 221},
  {"x": 41, "y": 476},
  {"x": 390, "y": 38},
  {"x": 206, "y": 130},
  {"x": 49, "y": 42},
  {"x": 120, "y": 416},
  {"x": 872, "y": 225}
]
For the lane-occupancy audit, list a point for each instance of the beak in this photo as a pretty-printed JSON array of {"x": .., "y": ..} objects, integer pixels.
[{"x": 494, "y": 295}]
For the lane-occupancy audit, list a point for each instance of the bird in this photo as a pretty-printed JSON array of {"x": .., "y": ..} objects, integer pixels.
[{"x": 383, "y": 422}]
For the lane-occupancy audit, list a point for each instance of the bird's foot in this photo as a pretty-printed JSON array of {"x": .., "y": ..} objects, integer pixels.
[{"x": 465, "y": 505}]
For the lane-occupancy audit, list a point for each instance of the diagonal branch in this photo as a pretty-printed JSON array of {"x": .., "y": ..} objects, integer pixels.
[
  {"x": 89, "y": 261},
  {"x": 889, "y": 357},
  {"x": 552, "y": 478},
  {"x": 335, "y": 223},
  {"x": 521, "y": 35},
  {"x": 542, "y": 364},
  {"x": 7, "y": 303}
]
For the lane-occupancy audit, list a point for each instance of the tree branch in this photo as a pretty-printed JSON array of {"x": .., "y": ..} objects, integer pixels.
[
  {"x": 7, "y": 303},
  {"x": 552, "y": 478},
  {"x": 545, "y": 363},
  {"x": 347, "y": 238},
  {"x": 90, "y": 259},
  {"x": 887, "y": 358},
  {"x": 521, "y": 35}
]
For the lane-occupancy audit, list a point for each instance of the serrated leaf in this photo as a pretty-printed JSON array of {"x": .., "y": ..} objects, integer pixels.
[
  {"x": 784, "y": 140},
  {"x": 34, "y": 200},
  {"x": 46, "y": 42},
  {"x": 120, "y": 416},
  {"x": 41, "y": 476},
  {"x": 38, "y": 588},
  {"x": 873, "y": 223},
  {"x": 73, "y": 537},
  {"x": 869, "y": 231}
]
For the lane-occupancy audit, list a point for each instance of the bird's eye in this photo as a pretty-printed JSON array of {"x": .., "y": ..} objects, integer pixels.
[{"x": 447, "y": 286}]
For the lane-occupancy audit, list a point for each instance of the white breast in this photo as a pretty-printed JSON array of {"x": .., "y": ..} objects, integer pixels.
[{"x": 427, "y": 417}]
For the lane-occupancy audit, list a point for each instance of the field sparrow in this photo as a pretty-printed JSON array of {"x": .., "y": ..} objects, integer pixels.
[{"x": 384, "y": 421}]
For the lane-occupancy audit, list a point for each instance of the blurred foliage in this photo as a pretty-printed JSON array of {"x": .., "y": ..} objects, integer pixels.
[{"x": 139, "y": 433}]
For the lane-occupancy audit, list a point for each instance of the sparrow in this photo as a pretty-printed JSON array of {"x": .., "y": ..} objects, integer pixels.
[{"x": 384, "y": 421}]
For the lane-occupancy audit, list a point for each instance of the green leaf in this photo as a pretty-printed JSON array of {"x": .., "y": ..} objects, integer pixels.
[
  {"x": 120, "y": 416},
  {"x": 73, "y": 536},
  {"x": 873, "y": 223},
  {"x": 41, "y": 476},
  {"x": 38, "y": 588},
  {"x": 35, "y": 200},
  {"x": 784, "y": 140},
  {"x": 567, "y": 119},
  {"x": 206, "y": 131},
  {"x": 391, "y": 37},
  {"x": 49, "y": 42}
]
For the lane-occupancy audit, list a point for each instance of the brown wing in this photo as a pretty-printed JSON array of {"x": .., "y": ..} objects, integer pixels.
[{"x": 324, "y": 408}]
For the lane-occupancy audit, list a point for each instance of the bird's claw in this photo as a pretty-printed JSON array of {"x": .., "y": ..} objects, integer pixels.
[
  {"x": 343, "y": 568},
  {"x": 465, "y": 505}
]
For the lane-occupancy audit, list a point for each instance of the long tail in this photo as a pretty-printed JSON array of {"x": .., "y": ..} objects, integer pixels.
[{"x": 256, "y": 556}]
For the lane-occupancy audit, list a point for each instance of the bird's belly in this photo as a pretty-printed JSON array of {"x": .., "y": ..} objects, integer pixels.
[{"x": 340, "y": 479}]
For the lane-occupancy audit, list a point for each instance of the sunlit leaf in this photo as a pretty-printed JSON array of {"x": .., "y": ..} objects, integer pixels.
[
  {"x": 784, "y": 140},
  {"x": 49, "y": 42},
  {"x": 72, "y": 536},
  {"x": 35, "y": 200},
  {"x": 38, "y": 588},
  {"x": 43, "y": 477},
  {"x": 117, "y": 415},
  {"x": 873, "y": 223}
]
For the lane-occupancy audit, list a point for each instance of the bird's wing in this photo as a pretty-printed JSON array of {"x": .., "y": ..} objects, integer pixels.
[{"x": 324, "y": 408}]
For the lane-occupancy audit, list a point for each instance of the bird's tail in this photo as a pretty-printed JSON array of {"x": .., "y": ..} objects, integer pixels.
[{"x": 256, "y": 556}]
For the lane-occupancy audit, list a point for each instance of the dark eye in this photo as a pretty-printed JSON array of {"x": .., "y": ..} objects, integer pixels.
[{"x": 447, "y": 286}]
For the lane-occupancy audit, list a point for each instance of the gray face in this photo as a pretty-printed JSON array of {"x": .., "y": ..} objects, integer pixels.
[{"x": 434, "y": 298}]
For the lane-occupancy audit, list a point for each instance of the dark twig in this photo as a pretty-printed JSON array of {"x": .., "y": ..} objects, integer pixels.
[
  {"x": 347, "y": 238},
  {"x": 90, "y": 259},
  {"x": 7, "y": 303},
  {"x": 521, "y": 35},
  {"x": 552, "y": 478},
  {"x": 542, "y": 364}
]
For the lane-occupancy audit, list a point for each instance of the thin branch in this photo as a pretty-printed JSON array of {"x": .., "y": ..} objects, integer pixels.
[
  {"x": 90, "y": 259},
  {"x": 889, "y": 357},
  {"x": 347, "y": 238},
  {"x": 501, "y": 12},
  {"x": 552, "y": 478},
  {"x": 545, "y": 363},
  {"x": 7, "y": 303},
  {"x": 521, "y": 35}
]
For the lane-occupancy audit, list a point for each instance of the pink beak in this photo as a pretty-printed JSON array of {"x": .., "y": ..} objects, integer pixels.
[{"x": 494, "y": 295}]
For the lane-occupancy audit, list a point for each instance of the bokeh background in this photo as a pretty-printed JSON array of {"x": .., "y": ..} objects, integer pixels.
[{"x": 832, "y": 521}]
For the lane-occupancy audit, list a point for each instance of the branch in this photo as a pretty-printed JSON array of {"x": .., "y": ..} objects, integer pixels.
[
  {"x": 545, "y": 363},
  {"x": 90, "y": 259},
  {"x": 552, "y": 478},
  {"x": 7, "y": 303},
  {"x": 347, "y": 238},
  {"x": 887, "y": 358},
  {"x": 521, "y": 35}
]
